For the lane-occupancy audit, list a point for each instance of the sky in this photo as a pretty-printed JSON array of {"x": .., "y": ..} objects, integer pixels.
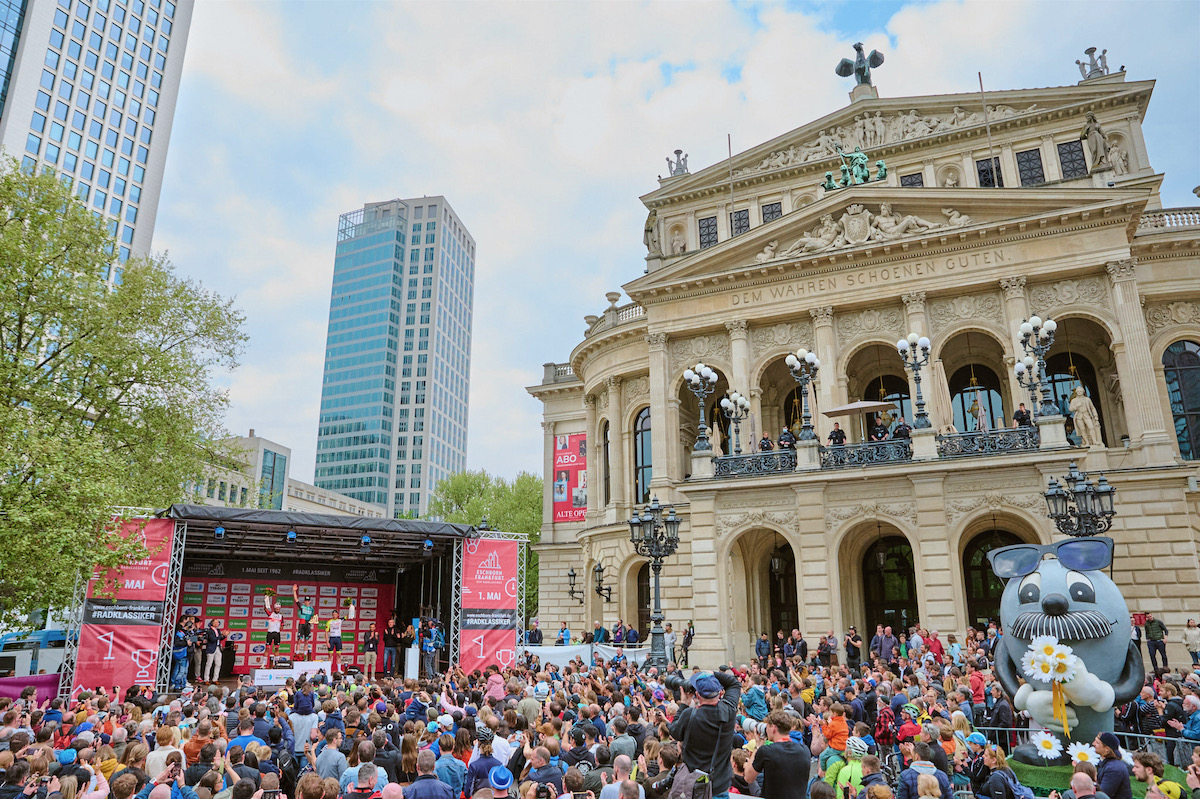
[{"x": 542, "y": 123}]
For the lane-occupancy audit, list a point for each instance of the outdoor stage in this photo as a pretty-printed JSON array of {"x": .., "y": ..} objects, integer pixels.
[{"x": 218, "y": 563}]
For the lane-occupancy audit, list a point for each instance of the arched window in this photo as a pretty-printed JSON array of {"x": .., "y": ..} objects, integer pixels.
[
  {"x": 642, "y": 459},
  {"x": 1065, "y": 372},
  {"x": 982, "y": 585},
  {"x": 969, "y": 399},
  {"x": 890, "y": 589},
  {"x": 605, "y": 439},
  {"x": 887, "y": 388},
  {"x": 1181, "y": 365}
]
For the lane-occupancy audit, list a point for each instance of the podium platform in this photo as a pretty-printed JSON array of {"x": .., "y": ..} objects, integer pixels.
[{"x": 271, "y": 677}]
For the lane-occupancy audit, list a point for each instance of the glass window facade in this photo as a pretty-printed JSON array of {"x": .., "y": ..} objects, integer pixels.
[
  {"x": 273, "y": 483},
  {"x": 12, "y": 17}
]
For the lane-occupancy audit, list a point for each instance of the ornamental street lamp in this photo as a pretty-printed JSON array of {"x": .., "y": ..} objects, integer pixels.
[
  {"x": 656, "y": 537},
  {"x": 1037, "y": 337},
  {"x": 601, "y": 589},
  {"x": 803, "y": 365},
  {"x": 702, "y": 381},
  {"x": 907, "y": 347},
  {"x": 736, "y": 408},
  {"x": 572, "y": 591},
  {"x": 1081, "y": 508}
]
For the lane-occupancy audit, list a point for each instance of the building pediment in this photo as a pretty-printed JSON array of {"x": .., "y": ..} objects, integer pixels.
[
  {"x": 888, "y": 127},
  {"x": 866, "y": 222}
]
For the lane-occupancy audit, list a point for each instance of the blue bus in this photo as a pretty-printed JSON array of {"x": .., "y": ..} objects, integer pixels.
[{"x": 32, "y": 652}]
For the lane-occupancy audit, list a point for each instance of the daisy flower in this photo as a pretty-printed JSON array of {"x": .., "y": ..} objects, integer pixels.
[
  {"x": 1044, "y": 645},
  {"x": 1048, "y": 746},
  {"x": 1083, "y": 753},
  {"x": 1063, "y": 669},
  {"x": 1042, "y": 667}
]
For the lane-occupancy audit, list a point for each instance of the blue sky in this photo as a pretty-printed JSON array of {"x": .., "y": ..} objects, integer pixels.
[{"x": 542, "y": 123}]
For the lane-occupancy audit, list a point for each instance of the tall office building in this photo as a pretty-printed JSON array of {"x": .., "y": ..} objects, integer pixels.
[
  {"x": 88, "y": 89},
  {"x": 397, "y": 355}
]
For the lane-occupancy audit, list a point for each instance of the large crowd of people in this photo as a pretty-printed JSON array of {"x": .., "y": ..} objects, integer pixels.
[{"x": 886, "y": 716}]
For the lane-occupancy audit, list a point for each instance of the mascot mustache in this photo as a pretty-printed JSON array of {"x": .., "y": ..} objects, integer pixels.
[{"x": 1075, "y": 625}]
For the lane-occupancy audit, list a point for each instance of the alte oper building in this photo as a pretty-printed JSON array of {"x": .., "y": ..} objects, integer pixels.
[{"x": 822, "y": 537}]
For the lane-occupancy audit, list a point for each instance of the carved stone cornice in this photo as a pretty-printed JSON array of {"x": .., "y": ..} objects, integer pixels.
[
  {"x": 1013, "y": 287},
  {"x": 914, "y": 301},
  {"x": 685, "y": 352},
  {"x": 737, "y": 327},
  {"x": 886, "y": 323},
  {"x": 728, "y": 522},
  {"x": 905, "y": 511},
  {"x": 1122, "y": 270},
  {"x": 635, "y": 388},
  {"x": 783, "y": 337},
  {"x": 1048, "y": 297},
  {"x": 995, "y": 501},
  {"x": 822, "y": 315},
  {"x": 1160, "y": 315},
  {"x": 657, "y": 341},
  {"x": 945, "y": 312}
]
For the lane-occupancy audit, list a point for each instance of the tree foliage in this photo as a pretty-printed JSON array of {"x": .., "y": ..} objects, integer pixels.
[
  {"x": 514, "y": 507},
  {"x": 106, "y": 393}
]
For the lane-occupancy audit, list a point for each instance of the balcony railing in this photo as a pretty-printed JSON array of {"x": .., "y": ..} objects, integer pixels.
[
  {"x": 988, "y": 442},
  {"x": 756, "y": 464},
  {"x": 870, "y": 453},
  {"x": 1168, "y": 219}
]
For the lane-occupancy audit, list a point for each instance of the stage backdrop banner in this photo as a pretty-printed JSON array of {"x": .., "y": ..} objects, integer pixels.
[
  {"x": 570, "y": 478},
  {"x": 488, "y": 626},
  {"x": 234, "y": 592},
  {"x": 118, "y": 640}
]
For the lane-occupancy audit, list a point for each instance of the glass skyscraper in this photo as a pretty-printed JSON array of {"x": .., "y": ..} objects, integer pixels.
[
  {"x": 88, "y": 90},
  {"x": 397, "y": 355}
]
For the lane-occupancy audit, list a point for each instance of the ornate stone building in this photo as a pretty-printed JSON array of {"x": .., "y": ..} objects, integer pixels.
[{"x": 826, "y": 537}]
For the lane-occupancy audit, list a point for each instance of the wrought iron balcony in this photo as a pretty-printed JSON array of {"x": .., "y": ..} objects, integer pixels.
[
  {"x": 988, "y": 442},
  {"x": 756, "y": 464},
  {"x": 870, "y": 453}
]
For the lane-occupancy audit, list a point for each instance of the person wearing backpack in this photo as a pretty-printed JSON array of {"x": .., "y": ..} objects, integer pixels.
[{"x": 1002, "y": 783}]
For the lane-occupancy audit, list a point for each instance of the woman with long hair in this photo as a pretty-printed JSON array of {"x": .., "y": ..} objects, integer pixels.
[{"x": 408, "y": 759}]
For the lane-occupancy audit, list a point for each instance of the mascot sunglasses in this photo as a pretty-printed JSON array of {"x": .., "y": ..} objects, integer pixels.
[{"x": 1091, "y": 553}]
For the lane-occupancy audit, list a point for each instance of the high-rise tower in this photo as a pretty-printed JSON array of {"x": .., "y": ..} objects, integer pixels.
[
  {"x": 88, "y": 88},
  {"x": 398, "y": 354}
]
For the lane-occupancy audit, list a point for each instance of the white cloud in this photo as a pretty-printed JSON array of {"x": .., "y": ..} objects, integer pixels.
[{"x": 542, "y": 123}]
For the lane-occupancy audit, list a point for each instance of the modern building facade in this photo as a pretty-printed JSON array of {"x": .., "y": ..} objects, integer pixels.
[
  {"x": 88, "y": 89},
  {"x": 823, "y": 537},
  {"x": 398, "y": 354}
]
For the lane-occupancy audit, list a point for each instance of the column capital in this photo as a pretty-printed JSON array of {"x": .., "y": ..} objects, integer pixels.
[
  {"x": 737, "y": 326},
  {"x": 589, "y": 402},
  {"x": 612, "y": 383},
  {"x": 1013, "y": 287},
  {"x": 548, "y": 428},
  {"x": 914, "y": 302},
  {"x": 1125, "y": 269},
  {"x": 657, "y": 341},
  {"x": 822, "y": 315}
]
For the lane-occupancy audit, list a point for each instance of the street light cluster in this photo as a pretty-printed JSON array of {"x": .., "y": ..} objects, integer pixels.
[
  {"x": 804, "y": 365},
  {"x": 1093, "y": 510},
  {"x": 736, "y": 408},
  {"x": 655, "y": 536},
  {"x": 702, "y": 381},
  {"x": 914, "y": 351},
  {"x": 1037, "y": 336}
]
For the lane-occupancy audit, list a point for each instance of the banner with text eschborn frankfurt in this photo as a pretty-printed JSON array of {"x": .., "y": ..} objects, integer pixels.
[
  {"x": 488, "y": 627},
  {"x": 570, "y": 478},
  {"x": 119, "y": 638}
]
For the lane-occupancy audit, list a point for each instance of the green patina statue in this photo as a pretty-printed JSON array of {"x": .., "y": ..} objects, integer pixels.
[
  {"x": 829, "y": 185},
  {"x": 855, "y": 169},
  {"x": 881, "y": 173},
  {"x": 861, "y": 66},
  {"x": 847, "y": 177}
]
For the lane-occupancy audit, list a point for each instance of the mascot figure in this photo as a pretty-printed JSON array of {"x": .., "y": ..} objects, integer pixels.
[{"x": 1066, "y": 656}]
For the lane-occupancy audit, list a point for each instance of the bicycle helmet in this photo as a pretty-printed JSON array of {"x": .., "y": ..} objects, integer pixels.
[{"x": 857, "y": 748}]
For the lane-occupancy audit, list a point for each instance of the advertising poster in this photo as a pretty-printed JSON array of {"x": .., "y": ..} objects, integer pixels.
[
  {"x": 119, "y": 637},
  {"x": 570, "y": 477},
  {"x": 234, "y": 592},
  {"x": 488, "y": 627}
]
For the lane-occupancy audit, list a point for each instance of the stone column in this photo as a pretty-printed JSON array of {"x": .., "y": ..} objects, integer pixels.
[
  {"x": 709, "y": 583},
  {"x": 915, "y": 319},
  {"x": 1051, "y": 168},
  {"x": 827, "y": 379},
  {"x": 936, "y": 588},
  {"x": 595, "y": 496},
  {"x": 724, "y": 233},
  {"x": 692, "y": 234},
  {"x": 929, "y": 173},
  {"x": 548, "y": 480},
  {"x": 818, "y": 585},
  {"x": 1016, "y": 311},
  {"x": 1143, "y": 411},
  {"x": 661, "y": 436},
  {"x": 739, "y": 347},
  {"x": 1008, "y": 166},
  {"x": 616, "y": 442},
  {"x": 970, "y": 178}
]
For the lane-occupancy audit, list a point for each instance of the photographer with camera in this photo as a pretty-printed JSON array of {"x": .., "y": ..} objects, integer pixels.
[{"x": 706, "y": 728}]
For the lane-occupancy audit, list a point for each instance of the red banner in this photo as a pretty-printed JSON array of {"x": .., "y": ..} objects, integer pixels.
[
  {"x": 488, "y": 627},
  {"x": 118, "y": 642},
  {"x": 570, "y": 478}
]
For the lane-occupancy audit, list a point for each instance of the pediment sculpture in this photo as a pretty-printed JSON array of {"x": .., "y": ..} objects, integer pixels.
[
  {"x": 857, "y": 225},
  {"x": 869, "y": 130}
]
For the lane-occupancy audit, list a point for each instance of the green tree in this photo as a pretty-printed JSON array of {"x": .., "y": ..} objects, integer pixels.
[
  {"x": 106, "y": 392},
  {"x": 514, "y": 507}
]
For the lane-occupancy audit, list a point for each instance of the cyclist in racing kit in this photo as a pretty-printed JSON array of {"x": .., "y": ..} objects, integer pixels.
[
  {"x": 334, "y": 630},
  {"x": 306, "y": 615},
  {"x": 274, "y": 623}
]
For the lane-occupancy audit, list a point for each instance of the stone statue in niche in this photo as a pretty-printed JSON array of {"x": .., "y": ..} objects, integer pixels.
[
  {"x": 1117, "y": 157},
  {"x": 951, "y": 181},
  {"x": 1087, "y": 422},
  {"x": 678, "y": 246},
  {"x": 650, "y": 234},
  {"x": 1097, "y": 144}
]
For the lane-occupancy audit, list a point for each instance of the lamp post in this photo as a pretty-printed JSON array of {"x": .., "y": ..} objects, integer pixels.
[
  {"x": 736, "y": 408},
  {"x": 1037, "y": 336},
  {"x": 572, "y": 591},
  {"x": 803, "y": 365},
  {"x": 600, "y": 588},
  {"x": 702, "y": 381},
  {"x": 1081, "y": 508},
  {"x": 656, "y": 537},
  {"x": 908, "y": 349}
]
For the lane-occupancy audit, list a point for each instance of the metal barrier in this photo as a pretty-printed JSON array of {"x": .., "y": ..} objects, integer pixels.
[{"x": 1175, "y": 751}]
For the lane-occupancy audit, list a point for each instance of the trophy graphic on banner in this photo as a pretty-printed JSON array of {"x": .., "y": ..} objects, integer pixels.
[{"x": 144, "y": 659}]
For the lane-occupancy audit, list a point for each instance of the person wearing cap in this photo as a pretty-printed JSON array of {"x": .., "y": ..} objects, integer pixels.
[
  {"x": 853, "y": 644},
  {"x": 579, "y": 755},
  {"x": 708, "y": 726},
  {"x": 1112, "y": 775}
]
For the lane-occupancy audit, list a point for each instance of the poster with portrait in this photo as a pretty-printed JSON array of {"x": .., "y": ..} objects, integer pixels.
[{"x": 570, "y": 477}]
